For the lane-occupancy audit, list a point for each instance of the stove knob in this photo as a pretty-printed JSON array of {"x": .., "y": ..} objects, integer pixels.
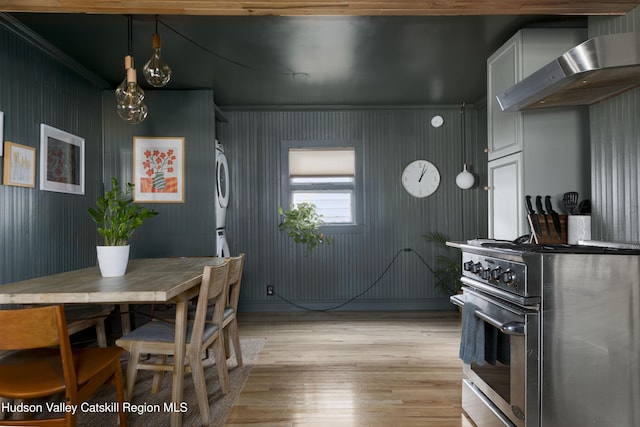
[
  {"x": 485, "y": 274},
  {"x": 508, "y": 277},
  {"x": 467, "y": 265},
  {"x": 496, "y": 273},
  {"x": 477, "y": 268}
]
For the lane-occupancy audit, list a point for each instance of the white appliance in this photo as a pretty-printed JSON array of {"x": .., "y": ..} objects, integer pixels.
[{"x": 222, "y": 201}]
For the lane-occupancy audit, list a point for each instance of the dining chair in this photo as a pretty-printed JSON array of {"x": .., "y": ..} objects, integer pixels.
[
  {"x": 83, "y": 316},
  {"x": 157, "y": 338},
  {"x": 230, "y": 323},
  {"x": 230, "y": 318},
  {"x": 41, "y": 363}
]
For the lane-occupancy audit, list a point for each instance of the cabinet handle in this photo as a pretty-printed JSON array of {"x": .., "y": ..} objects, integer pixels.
[
  {"x": 487, "y": 150},
  {"x": 487, "y": 188}
]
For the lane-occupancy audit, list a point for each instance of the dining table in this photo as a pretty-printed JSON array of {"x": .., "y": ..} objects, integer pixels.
[{"x": 146, "y": 281}]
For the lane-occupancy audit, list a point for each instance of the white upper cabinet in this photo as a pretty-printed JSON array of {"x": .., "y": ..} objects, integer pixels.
[{"x": 525, "y": 52}]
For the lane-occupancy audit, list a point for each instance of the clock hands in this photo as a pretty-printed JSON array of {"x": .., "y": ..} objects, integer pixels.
[{"x": 424, "y": 170}]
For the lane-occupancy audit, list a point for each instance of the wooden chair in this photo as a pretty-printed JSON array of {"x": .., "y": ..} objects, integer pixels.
[
  {"x": 157, "y": 338},
  {"x": 230, "y": 320},
  {"x": 34, "y": 369},
  {"x": 83, "y": 316}
]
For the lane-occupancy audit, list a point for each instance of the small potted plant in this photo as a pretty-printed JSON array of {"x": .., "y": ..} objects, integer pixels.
[
  {"x": 302, "y": 223},
  {"x": 117, "y": 218},
  {"x": 448, "y": 267}
]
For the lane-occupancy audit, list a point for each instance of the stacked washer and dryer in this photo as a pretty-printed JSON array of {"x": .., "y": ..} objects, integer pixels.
[{"x": 222, "y": 201}]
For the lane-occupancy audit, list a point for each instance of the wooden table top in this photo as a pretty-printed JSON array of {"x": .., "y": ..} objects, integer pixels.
[{"x": 146, "y": 280}]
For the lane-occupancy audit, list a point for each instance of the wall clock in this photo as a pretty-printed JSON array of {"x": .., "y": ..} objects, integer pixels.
[{"x": 420, "y": 178}]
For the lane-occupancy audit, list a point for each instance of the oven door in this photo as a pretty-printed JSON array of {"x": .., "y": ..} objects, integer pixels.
[{"x": 504, "y": 390}]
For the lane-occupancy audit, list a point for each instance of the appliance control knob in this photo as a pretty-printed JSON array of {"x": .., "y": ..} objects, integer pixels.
[
  {"x": 496, "y": 273},
  {"x": 477, "y": 268},
  {"x": 467, "y": 266},
  {"x": 508, "y": 277},
  {"x": 485, "y": 274}
]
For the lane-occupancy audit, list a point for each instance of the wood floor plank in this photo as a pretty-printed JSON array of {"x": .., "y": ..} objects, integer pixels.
[{"x": 353, "y": 369}]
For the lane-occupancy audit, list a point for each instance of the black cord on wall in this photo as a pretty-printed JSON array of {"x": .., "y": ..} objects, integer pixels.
[{"x": 366, "y": 290}]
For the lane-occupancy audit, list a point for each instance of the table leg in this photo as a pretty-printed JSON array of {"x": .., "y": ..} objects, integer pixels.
[
  {"x": 125, "y": 320},
  {"x": 178, "y": 365}
]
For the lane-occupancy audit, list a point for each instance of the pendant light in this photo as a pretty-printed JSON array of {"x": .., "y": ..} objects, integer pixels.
[
  {"x": 465, "y": 179},
  {"x": 129, "y": 96},
  {"x": 156, "y": 72},
  {"x": 132, "y": 109}
]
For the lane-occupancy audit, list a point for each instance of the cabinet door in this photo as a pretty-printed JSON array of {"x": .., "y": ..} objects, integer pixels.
[
  {"x": 505, "y": 198},
  {"x": 504, "y": 128}
]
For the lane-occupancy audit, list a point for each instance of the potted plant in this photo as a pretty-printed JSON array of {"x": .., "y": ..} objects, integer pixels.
[
  {"x": 302, "y": 223},
  {"x": 448, "y": 264},
  {"x": 117, "y": 218}
]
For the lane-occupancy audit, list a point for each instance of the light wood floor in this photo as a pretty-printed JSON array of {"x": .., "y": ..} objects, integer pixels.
[{"x": 353, "y": 369}]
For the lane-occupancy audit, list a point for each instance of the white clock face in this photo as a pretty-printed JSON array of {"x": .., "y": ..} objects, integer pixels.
[{"x": 420, "y": 178}]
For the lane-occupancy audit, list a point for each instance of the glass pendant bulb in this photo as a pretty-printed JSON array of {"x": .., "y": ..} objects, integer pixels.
[
  {"x": 465, "y": 179},
  {"x": 131, "y": 108},
  {"x": 122, "y": 87},
  {"x": 156, "y": 72}
]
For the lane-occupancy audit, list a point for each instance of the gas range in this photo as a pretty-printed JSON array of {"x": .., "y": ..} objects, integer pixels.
[{"x": 513, "y": 271}]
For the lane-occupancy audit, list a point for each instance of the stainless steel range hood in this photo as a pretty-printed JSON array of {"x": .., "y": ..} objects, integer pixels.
[{"x": 595, "y": 70}]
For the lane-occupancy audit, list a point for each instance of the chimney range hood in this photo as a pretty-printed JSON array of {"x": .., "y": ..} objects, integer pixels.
[{"x": 595, "y": 70}]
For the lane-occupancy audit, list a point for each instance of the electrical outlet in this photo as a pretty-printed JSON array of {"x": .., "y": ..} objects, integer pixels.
[{"x": 269, "y": 290}]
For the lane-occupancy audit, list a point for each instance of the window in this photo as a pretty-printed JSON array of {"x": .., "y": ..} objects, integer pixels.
[{"x": 327, "y": 175}]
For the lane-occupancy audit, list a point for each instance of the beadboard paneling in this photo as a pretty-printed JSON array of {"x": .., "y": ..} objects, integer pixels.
[
  {"x": 615, "y": 151},
  {"x": 43, "y": 232},
  {"x": 393, "y": 220},
  {"x": 181, "y": 229}
]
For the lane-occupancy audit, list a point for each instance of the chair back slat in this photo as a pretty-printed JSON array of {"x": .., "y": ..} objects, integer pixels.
[
  {"x": 214, "y": 280},
  {"x": 235, "y": 278},
  {"x": 30, "y": 328}
]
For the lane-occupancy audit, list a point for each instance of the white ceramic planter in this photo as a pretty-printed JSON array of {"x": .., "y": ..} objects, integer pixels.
[{"x": 113, "y": 260}]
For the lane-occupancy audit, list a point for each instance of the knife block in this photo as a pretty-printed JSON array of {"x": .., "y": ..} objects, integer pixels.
[{"x": 546, "y": 222}]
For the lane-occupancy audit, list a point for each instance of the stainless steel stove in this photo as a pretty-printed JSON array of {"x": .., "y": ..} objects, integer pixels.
[{"x": 560, "y": 332}]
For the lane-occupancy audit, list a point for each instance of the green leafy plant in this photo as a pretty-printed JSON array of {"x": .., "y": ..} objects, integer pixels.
[
  {"x": 117, "y": 216},
  {"x": 302, "y": 223},
  {"x": 448, "y": 264}
]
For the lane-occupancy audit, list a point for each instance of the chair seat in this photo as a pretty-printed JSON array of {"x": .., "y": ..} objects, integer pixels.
[
  {"x": 170, "y": 316},
  {"x": 37, "y": 373},
  {"x": 159, "y": 331}
]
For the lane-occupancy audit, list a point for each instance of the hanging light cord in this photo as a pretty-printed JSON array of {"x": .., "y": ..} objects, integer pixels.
[
  {"x": 217, "y": 55},
  {"x": 464, "y": 139},
  {"x": 130, "y": 36}
]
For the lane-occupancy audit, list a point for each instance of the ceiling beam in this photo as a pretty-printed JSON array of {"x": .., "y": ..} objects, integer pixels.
[{"x": 325, "y": 7}]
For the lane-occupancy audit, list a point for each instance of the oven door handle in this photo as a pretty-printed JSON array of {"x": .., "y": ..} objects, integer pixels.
[{"x": 509, "y": 328}]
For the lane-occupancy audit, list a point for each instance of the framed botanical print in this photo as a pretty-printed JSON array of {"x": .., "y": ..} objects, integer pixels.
[
  {"x": 158, "y": 169},
  {"x": 61, "y": 161},
  {"x": 19, "y": 165}
]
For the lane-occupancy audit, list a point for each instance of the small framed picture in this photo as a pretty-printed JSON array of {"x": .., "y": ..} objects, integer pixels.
[
  {"x": 61, "y": 161},
  {"x": 158, "y": 169},
  {"x": 19, "y": 165}
]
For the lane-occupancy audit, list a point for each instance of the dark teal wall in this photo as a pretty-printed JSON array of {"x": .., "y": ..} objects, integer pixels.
[
  {"x": 181, "y": 229},
  {"x": 43, "y": 232},
  {"x": 615, "y": 151},
  {"x": 393, "y": 220}
]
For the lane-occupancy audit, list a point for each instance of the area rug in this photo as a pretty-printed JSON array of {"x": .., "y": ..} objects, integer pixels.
[{"x": 149, "y": 410}]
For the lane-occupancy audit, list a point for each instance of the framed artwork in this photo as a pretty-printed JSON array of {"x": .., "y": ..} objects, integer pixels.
[
  {"x": 158, "y": 169},
  {"x": 61, "y": 161},
  {"x": 1, "y": 131},
  {"x": 19, "y": 165}
]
